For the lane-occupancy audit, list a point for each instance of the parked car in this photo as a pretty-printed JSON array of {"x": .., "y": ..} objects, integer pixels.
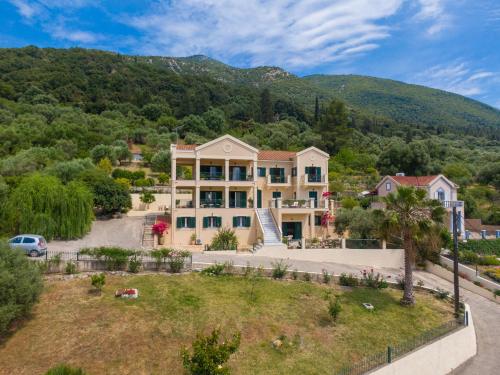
[{"x": 32, "y": 244}]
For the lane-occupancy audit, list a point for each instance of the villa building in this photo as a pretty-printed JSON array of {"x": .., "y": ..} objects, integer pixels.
[
  {"x": 263, "y": 195},
  {"x": 437, "y": 187}
]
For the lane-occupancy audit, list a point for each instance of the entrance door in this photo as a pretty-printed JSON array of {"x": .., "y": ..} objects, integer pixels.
[
  {"x": 259, "y": 198},
  {"x": 292, "y": 228},
  {"x": 314, "y": 194}
]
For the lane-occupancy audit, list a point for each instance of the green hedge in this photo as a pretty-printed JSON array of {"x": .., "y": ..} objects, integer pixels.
[{"x": 484, "y": 247}]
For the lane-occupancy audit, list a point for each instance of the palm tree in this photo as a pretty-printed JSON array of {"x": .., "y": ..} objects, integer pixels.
[{"x": 409, "y": 215}]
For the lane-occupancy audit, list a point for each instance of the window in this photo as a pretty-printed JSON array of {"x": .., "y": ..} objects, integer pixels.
[
  {"x": 28, "y": 240},
  {"x": 16, "y": 240},
  {"x": 388, "y": 186},
  {"x": 237, "y": 199},
  {"x": 261, "y": 172},
  {"x": 276, "y": 194},
  {"x": 317, "y": 220},
  {"x": 294, "y": 172},
  {"x": 238, "y": 173},
  {"x": 277, "y": 175},
  {"x": 212, "y": 222},
  {"x": 313, "y": 174},
  {"x": 440, "y": 195},
  {"x": 186, "y": 222},
  {"x": 211, "y": 172},
  {"x": 241, "y": 221},
  {"x": 211, "y": 199}
]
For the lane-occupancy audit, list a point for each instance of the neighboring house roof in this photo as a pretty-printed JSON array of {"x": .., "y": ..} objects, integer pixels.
[
  {"x": 476, "y": 225},
  {"x": 186, "y": 147},
  {"x": 418, "y": 181},
  {"x": 276, "y": 155},
  {"x": 325, "y": 154}
]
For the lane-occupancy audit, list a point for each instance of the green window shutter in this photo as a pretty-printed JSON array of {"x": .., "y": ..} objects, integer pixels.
[
  {"x": 282, "y": 172},
  {"x": 318, "y": 171},
  {"x": 205, "y": 222},
  {"x": 203, "y": 195},
  {"x": 308, "y": 170},
  {"x": 243, "y": 199},
  {"x": 235, "y": 221},
  {"x": 191, "y": 222},
  {"x": 179, "y": 222},
  {"x": 218, "y": 221},
  {"x": 247, "y": 221}
]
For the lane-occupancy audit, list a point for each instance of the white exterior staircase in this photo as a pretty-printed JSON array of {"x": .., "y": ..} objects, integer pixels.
[{"x": 272, "y": 234}]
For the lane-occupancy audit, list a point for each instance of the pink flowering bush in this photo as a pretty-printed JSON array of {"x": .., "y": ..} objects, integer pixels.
[{"x": 160, "y": 227}]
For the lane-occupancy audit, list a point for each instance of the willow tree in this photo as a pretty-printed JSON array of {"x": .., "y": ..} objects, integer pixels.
[
  {"x": 409, "y": 216},
  {"x": 43, "y": 205}
]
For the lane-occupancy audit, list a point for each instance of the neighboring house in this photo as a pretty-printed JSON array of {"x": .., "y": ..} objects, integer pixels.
[
  {"x": 475, "y": 229},
  {"x": 437, "y": 187},
  {"x": 136, "y": 153},
  {"x": 260, "y": 194}
]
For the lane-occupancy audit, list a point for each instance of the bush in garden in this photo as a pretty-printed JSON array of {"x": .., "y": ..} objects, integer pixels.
[
  {"x": 20, "y": 286},
  {"x": 348, "y": 280},
  {"x": 326, "y": 277},
  {"x": 176, "y": 260},
  {"x": 485, "y": 247},
  {"x": 307, "y": 276},
  {"x": 65, "y": 370},
  {"x": 98, "y": 281},
  {"x": 70, "y": 268},
  {"x": 134, "y": 264},
  {"x": 210, "y": 354},
  {"x": 468, "y": 257},
  {"x": 494, "y": 273},
  {"x": 147, "y": 198},
  {"x": 295, "y": 274},
  {"x": 279, "y": 269},
  {"x": 489, "y": 260},
  {"x": 372, "y": 280},
  {"x": 442, "y": 294},
  {"x": 224, "y": 239},
  {"x": 334, "y": 308},
  {"x": 160, "y": 256},
  {"x": 216, "y": 269},
  {"x": 114, "y": 257}
]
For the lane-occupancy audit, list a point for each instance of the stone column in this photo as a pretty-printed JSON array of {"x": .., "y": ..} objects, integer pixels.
[
  {"x": 197, "y": 170},
  {"x": 311, "y": 219},
  {"x": 255, "y": 174},
  {"x": 226, "y": 196},
  {"x": 197, "y": 197},
  {"x": 226, "y": 169}
]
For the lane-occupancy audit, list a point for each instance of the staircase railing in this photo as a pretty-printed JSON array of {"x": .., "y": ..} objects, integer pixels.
[{"x": 280, "y": 233}]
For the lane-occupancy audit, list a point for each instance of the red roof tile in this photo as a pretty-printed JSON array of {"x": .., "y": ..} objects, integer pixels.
[
  {"x": 276, "y": 155},
  {"x": 186, "y": 147},
  {"x": 414, "y": 180}
]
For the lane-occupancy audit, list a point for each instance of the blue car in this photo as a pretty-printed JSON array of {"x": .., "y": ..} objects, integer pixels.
[{"x": 32, "y": 244}]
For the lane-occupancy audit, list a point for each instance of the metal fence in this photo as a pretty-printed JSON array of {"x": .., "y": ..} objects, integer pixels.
[
  {"x": 395, "y": 351},
  {"x": 352, "y": 243}
]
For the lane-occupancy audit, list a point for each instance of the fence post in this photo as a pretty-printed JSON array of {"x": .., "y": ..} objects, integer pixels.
[
  {"x": 389, "y": 354},
  {"x": 46, "y": 255},
  {"x": 77, "y": 256},
  {"x": 466, "y": 318}
]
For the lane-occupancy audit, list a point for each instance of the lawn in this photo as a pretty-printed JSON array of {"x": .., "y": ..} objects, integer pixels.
[{"x": 108, "y": 335}]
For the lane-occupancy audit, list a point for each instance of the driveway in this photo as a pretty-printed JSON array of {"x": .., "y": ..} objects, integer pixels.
[{"x": 125, "y": 232}]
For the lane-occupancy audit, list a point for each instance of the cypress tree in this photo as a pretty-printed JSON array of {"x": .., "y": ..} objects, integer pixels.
[{"x": 266, "y": 107}]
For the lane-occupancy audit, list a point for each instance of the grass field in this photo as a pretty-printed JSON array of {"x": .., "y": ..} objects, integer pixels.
[{"x": 108, "y": 335}]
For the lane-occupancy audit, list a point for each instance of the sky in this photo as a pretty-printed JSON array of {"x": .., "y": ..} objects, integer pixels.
[{"x": 452, "y": 45}]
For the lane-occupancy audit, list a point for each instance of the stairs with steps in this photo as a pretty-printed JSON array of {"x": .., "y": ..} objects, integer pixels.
[
  {"x": 272, "y": 236},
  {"x": 147, "y": 232}
]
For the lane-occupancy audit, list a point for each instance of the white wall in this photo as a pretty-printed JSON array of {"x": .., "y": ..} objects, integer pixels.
[
  {"x": 438, "y": 358},
  {"x": 470, "y": 273},
  {"x": 393, "y": 258}
]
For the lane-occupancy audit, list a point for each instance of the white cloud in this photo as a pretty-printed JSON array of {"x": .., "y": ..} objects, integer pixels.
[
  {"x": 58, "y": 29},
  {"x": 290, "y": 33},
  {"x": 26, "y": 8},
  {"x": 434, "y": 14},
  {"x": 457, "y": 77}
]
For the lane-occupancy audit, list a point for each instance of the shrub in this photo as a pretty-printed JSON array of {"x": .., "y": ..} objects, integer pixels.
[
  {"x": 176, "y": 260},
  {"x": 372, "y": 280},
  {"x": 129, "y": 175},
  {"x": 70, "y": 268},
  {"x": 216, "y": 269},
  {"x": 209, "y": 354},
  {"x": 115, "y": 258},
  {"x": 348, "y": 280},
  {"x": 307, "y": 276},
  {"x": 98, "y": 281},
  {"x": 147, "y": 198},
  {"x": 20, "y": 286},
  {"x": 401, "y": 282},
  {"x": 160, "y": 256},
  {"x": 134, "y": 264},
  {"x": 326, "y": 277},
  {"x": 334, "y": 308},
  {"x": 224, "y": 239},
  {"x": 489, "y": 260},
  {"x": 496, "y": 293},
  {"x": 494, "y": 273},
  {"x": 163, "y": 178},
  {"x": 65, "y": 370},
  {"x": 468, "y": 257},
  {"x": 279, "y": 269},
  {"x": 160, "y": 228},
  {"x": 144, "y": 182},
  {"x": 442, "y": 294},
  {"x": 484, "y": 247},
  {"x": 295, "y": 274}
]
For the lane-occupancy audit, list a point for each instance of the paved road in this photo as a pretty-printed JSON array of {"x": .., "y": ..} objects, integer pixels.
[
  {"x": 125, "y": 232},
  {"x": 486, "y": 313}
]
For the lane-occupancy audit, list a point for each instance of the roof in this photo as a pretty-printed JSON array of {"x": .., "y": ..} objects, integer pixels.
[
  {"x": 276, "y": 155},
  {"x": 476, "y": 225},
  {"x": 414, "y": 180},
  {"x": 186, "y": 147}
]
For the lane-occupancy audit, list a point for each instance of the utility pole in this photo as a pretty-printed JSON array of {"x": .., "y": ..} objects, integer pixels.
[{"x": 455, "y": 260}]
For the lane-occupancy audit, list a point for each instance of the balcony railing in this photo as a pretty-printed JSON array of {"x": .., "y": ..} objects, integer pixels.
[
  {"x": 295, "y": 203},
  {"x": 184, "y": 203},
  {"x": 298, "y": 203},
  {"x": 208, "y": 203},
  {"x": 271, "y": 179},
  {"x": 314, "y": 178},
  {"x": 241, "y": 178},
  {"x": 212, "y": 176},
  {"x": 451, "y": 204}
]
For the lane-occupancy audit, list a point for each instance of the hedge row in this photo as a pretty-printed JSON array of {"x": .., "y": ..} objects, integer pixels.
[{"x": 484, "y": 247}]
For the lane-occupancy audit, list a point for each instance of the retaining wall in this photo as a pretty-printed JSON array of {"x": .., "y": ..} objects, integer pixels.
[
  {"x": 470, "y": 273},
  {"x": 390, "y": 258},
  {"x": 439, "y": 357}
]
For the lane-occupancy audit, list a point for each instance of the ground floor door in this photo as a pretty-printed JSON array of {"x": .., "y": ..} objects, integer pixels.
[
  {"x": 314, "y": 195},
  {"x": 292, "y": 228},
  {"x": 259, "y": 198}
]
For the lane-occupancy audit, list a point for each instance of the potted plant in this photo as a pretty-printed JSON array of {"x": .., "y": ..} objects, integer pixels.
[
  {"x": 250, "y": 202},
  {"x": 159, "y": 229},
  {"x": 193, "y": 239}
]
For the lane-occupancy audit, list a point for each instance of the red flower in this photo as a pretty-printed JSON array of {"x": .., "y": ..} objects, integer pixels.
[{"x": 160, "y": 228}]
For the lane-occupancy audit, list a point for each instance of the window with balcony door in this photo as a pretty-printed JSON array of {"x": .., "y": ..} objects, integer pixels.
[
  {"x": 211, "y": 172},
  {"x": 211, "y": 199},
  {"x": 238, "y": 173},
  {"x": 313, "y": 174},
  {"x": 440, "y": 195},
  {"x": 238, "y": 199},
  {"x": 261, "y": 172},
  {"x": 277, "y": 175}
]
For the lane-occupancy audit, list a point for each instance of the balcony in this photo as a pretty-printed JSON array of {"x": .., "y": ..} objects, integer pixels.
[
  {"x": 279, "y": 180},
  {"x": 241, "y": 178},
  {"x": 451, "y": 204},
  {"x": 298, "y": 203},
  {"x": 314, "y": 179},
  {"x": 211, "y": 176},
  {"x": 184, "y": 203},
  {"x": 212, "y": 203}
]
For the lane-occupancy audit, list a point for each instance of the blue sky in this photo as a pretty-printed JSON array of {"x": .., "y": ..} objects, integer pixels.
[{"x": 453, "y": 45}]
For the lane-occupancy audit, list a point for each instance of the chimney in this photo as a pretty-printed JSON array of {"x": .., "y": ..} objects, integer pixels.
[{"x": 400, "y": 174}]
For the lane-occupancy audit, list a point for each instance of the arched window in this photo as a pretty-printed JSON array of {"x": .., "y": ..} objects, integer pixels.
[{"x": 440, "y": 194}]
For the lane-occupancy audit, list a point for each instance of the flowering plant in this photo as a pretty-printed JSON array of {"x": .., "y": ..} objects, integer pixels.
[
  {"x": 160, "y": 228},
  {"x": 326, "y": 194},
  {"x": 327, "y": 218}
]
